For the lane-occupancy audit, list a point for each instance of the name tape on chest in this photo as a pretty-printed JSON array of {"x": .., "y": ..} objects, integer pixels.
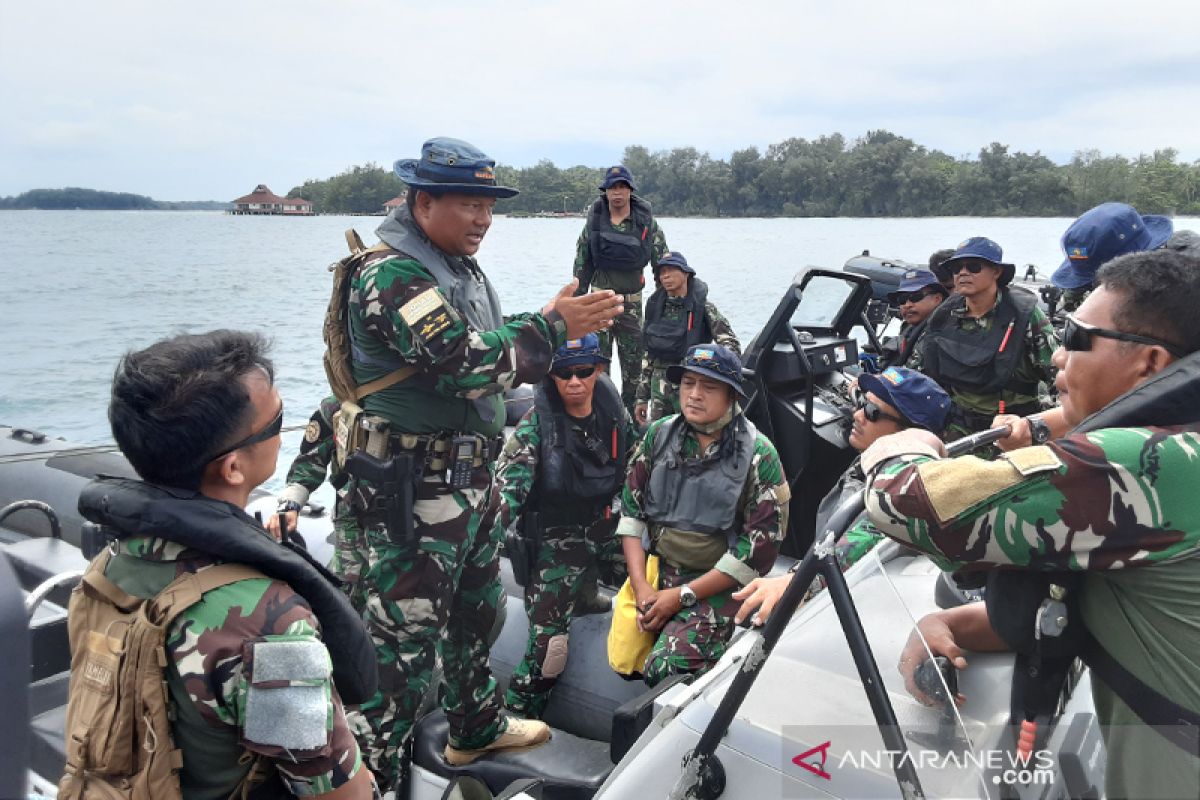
[{"x": 426, "y": 315}]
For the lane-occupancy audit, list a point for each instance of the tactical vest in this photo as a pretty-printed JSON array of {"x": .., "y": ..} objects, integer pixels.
[
  {"x": 619, "y": 251},
  {"x": 130, "y": 508},
  {"x": 701, "y": 494},
  {"x": 968, "y": 362},
  {"x": 572, "y": 469},
  {"x": 668, "y": 340},
  {"x": 906, "y": 344},
  {"x": 467, "y": 290}
]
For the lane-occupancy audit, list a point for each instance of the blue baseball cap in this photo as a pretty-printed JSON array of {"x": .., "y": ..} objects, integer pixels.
[
  {"x": 674, "y": 259},
  {"x": 452, "y": 165},
  {"x": 979, "y": 248},
  {"x": 915, "y": 279},
  {"x": 917, "y": 397},
  {"x": 618, "y": 174},
  {"x": 712, "y": 360},
  {"x": 584, "y": 350},
  {"x": 1103, "y": 233}
]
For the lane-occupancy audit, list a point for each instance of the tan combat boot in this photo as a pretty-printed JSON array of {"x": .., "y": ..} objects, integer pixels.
[{"x": 519, "y": 733}]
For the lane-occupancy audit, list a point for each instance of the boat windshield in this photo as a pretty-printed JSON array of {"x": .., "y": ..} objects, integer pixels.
[{"x": 824, "y": 299}]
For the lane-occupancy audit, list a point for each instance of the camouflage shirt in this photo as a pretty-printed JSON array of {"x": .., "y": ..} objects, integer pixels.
[
  {"x": 1040, "y": 344},
  {"x": 311, "y": 465},
  {"x": 457, "y": 363},
  {"x": 1118, "y": 503},
  {"x": 517, "y": 468},
  {"x": 764, "y": 503},
  {"x": 208, "y": 678},
  {"x": 622, "y": 282},
  {"x": 722, "y": 333}
]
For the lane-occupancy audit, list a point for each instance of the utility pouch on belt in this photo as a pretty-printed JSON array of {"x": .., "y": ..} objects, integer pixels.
[
  {"x": 355, "y": 430},
  {"x": 523, "y": 545},
  {"x": 392, "y": 491}
]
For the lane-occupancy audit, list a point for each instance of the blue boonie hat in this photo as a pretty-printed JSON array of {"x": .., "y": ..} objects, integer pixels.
[
  {"x": 713, "y": 360},
  {"x": 916, "y": 396},
  {"x": 584, "y": 350},
  {"x": 915, "y": 279},
  {"x": 1103, "y": 233},
  {"x": 983, "y": 249},
  {"x": 452, "y": 165},
  {"x": 618, "y": 174},
  {"x": 674, "y": 259}
]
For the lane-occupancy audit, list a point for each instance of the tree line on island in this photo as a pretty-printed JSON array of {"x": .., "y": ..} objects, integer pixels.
[{"x": 878, "y": 175}]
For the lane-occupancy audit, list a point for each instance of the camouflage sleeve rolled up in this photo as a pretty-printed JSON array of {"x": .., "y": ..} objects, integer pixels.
[
  {"x": 642, "y": 393},
  {"x": 311, "y": 464},
  {"x": 1115, "y": 498},
  {"x": 1040, "y": 344},
  {"x": 637, "y": 475},
  {"x": 401, "y": 305},
  {"x": 583, "y": 255},
  {"x": 658, "y": 243},
  {"x": 722, "y": 331},
  {"x": 208, "y": 645},
  {"x": 516, "y": 471}
]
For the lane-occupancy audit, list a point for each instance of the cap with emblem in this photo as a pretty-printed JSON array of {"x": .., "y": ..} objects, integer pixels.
[
  {"x": 916, "y": 396},
  {"x": 452, "y": 165},
  {"x": 674, "y": 259},
  {"x": 713, "y": 361},
  {"x": 618, "y": 174},
  {"x": 1103, "y": 233},
  {"x": 914, "y": 280},
  {"x": 584, "y": 350}
]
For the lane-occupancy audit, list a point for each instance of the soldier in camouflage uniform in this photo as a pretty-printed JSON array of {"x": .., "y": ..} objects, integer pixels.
[
  {"x": 678, "y": 315},
  {"x": 1115, "y": 503},
  {"x": 422, "y": 302},
  {"x": 707, "y": 492},
  {"x": 988, "y": 345},
  {"x": 562, "y": 486},
  {"x": 1098, "y": 236},
  {"x": 619, "y": 238},
  {"x": 305, "y": 476},
  {"x": 162, "y": 412}
]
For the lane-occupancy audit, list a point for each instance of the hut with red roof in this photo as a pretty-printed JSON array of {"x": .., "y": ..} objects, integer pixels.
[{"x": 263, "y": 201}]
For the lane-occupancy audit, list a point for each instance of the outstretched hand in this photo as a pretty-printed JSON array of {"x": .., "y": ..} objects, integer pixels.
[{"x": 586, "y": 313}]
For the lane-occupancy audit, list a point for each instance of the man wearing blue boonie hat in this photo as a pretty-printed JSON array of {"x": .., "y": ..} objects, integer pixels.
[
  {"x": 1097, "y": 237},
  {"x": 892, "y": 401},
  {"x": 430, "y": 355},
  {"x": 679, "y": 315},
  {"x": 552, "y": 497},
  {"x": 619, "y": 238},
  {"x": 919, "y": 293},
  {"x": 989, "y": 345},
  {"x": 707, "y": 492}
]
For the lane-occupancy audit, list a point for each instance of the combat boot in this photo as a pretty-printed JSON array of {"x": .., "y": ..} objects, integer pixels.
[
  {"x": 519, "y": 733},
  {"x": 588, "y": 599}
]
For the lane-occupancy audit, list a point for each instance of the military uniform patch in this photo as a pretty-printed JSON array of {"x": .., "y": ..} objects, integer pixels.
[
  {"x": 427, "y": 315},
  {"x": 312, "y": 432}
]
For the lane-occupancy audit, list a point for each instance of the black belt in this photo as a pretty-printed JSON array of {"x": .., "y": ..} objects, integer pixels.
[{"x": 434, "y": 448}]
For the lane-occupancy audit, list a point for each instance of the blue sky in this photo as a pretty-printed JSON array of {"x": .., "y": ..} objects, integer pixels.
[{"x": 205, "y": 100}]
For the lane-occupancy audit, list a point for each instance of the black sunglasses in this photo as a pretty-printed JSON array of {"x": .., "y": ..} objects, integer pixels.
[
  {"x": 1078, "y": 336},
  {"x": 874, "y": 413},
  {"x": 973, "y": 267},
  {"x": 915, "y": 297},
  {"x": 269, "y": 432},
  {"x": 566, "y": 373}
]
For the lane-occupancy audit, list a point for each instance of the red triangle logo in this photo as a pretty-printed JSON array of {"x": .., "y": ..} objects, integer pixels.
[{"x": 815, "y": 769}]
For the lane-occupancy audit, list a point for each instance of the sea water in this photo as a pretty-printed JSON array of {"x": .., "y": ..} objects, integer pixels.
[{"x": 82, "y": 287}]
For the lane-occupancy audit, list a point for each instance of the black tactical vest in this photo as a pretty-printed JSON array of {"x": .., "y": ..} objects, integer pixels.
[
  {"x": 130, "y": 508},
  {"x": 699, "y": 494},
  {"x": 576, "y": 471},
  {"x": 970, "y": 362},
  {"x": 668, "y": 340},
  {"x": 614, "y": 250}
]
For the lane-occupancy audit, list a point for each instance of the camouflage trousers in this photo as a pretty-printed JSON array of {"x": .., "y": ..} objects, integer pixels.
[
  {"x": 627, "y": 329},
  {"x": 350, "y": 553},
  {"x": 664, "y": 396},
  {"x": 564, "y": 556},
  {"x": 436, "y": 599},
  {"x": 695, "y": 638}
]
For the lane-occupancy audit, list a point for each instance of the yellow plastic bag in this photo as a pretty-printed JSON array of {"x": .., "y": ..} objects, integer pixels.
[{"x": 627, "y": 646}]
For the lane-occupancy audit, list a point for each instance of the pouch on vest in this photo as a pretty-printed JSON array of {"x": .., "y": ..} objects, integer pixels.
[
  {"x": 628, "y": 648},
  {"x": 666, "y": 340},
  {"x": 118, "y": 724},
  {"x": 354, "y": 430}
]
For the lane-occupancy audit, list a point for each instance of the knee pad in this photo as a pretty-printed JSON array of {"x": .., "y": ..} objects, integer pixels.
[{"x": 556, "y": 656}]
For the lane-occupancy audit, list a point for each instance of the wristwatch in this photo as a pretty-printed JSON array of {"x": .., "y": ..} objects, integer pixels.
[
  {"x": 286, "y": 506},
  {"x": 687, "y": 598},
  {"x": 1039, "y": 431}
]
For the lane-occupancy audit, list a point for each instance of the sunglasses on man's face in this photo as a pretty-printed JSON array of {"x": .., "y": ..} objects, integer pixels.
[
  {"x": 916, "y": 297},
  {"x": 1077, "y": 336},
  {"x": 566, "y": 373},
  {"x": 973, "y": 267},
  {"x": 271, "y": 430},
  {"x": 874, "y": 413}
]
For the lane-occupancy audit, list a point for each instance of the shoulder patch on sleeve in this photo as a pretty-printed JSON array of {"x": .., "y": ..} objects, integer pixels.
[
  {"x": 289, "y": 700},
  {"x": 427, "y": 314},
  {"x": 1032, "y": 460},
  {"x": 956, "y": 485}
]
